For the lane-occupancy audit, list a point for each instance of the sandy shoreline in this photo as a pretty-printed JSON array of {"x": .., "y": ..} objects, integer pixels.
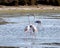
[{"x": 29, "y": 9}]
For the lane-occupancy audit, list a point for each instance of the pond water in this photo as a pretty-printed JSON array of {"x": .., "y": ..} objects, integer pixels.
[{"x": 48, "y": 35}]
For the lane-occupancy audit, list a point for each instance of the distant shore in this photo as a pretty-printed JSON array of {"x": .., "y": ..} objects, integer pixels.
[{"x": 30, "y": 9}]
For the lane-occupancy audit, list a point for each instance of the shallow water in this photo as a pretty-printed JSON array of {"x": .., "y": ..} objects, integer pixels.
[{"x": 12, "y": 34}]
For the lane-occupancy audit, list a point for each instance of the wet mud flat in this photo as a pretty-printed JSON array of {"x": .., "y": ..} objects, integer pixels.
[{"x": 12, "y": 31}]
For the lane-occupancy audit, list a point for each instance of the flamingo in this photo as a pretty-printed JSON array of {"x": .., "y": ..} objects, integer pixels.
[
  {"x": 27, "y": 28},
  {"x": 33, "y": 27},
  {"x": 38, "y": 21}
]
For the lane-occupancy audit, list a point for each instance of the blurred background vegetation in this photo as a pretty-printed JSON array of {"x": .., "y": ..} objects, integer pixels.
[{"x": 29, "y": 2}]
